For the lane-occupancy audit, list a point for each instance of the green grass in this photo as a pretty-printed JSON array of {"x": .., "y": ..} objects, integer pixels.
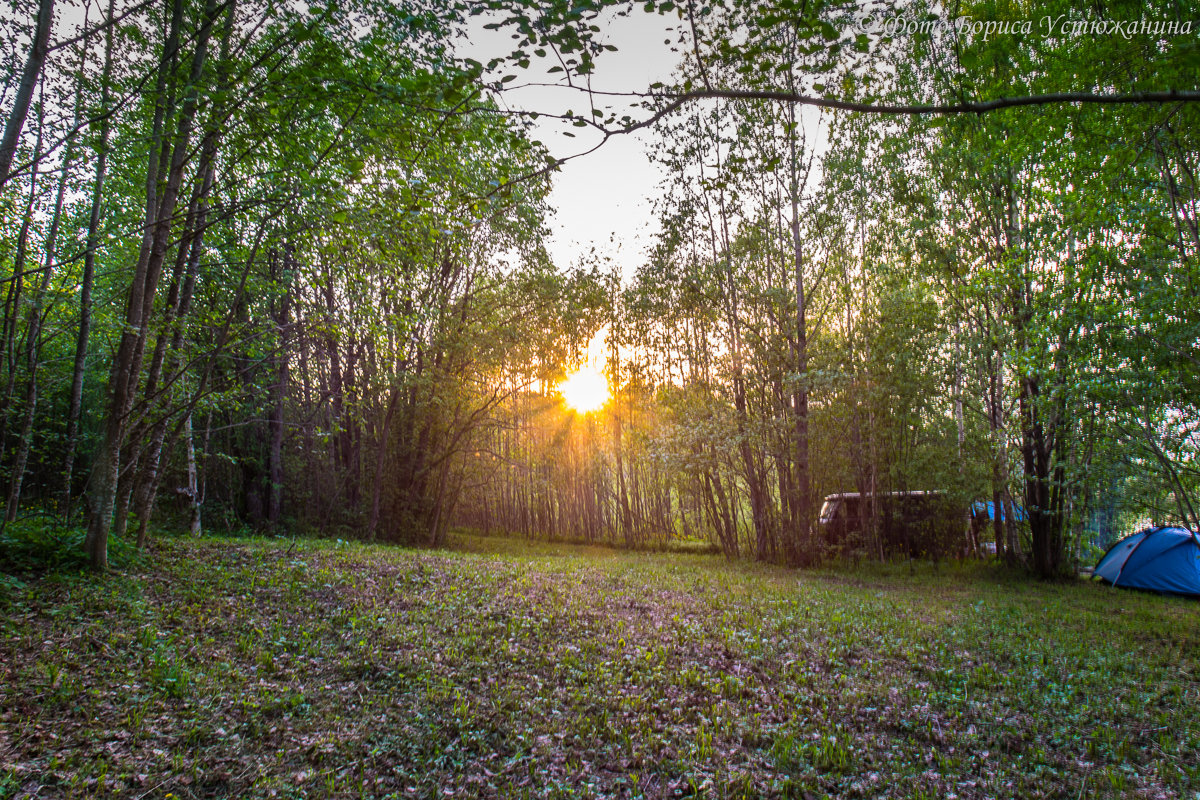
[{"x": 505, "y": 669}]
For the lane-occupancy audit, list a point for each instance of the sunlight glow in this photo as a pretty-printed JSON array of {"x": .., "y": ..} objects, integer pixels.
[{"x": 585, "y": 390}]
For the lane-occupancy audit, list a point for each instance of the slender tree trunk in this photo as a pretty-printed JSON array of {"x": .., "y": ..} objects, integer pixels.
[
  {"x": 802, "y": 484},
  {"x": 15, "y": 296},
  {"x": 179, "y": 301},
  {"x": 278, "y": 395},
  {"x": 126, "y": 364},
  {"x": 12, "y": 305},
  {"x": 75, "y": 408},
  {"x": 625, "y": 517},
  {"x": 126, "y": 482},
  {"x": 763, "y": 539},
  {"x": 193, "y": 484},
  {"x": 380, "y": 463},
  {"x": 24, "y": 97},
  {"x": 33, "y": 335}
]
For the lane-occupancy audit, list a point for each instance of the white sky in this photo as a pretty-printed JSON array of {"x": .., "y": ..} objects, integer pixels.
[{"x": 602, "y": 201}]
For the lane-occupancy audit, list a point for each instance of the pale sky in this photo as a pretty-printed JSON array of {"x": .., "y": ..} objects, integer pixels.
[{"x": 602, "y": 200}]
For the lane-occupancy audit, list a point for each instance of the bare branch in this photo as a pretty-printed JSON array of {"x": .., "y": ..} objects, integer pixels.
[{"x": 970, "y": 107}]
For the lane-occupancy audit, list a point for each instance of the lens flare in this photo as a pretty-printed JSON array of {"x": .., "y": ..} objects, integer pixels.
[{"x": 585, "y": 390}]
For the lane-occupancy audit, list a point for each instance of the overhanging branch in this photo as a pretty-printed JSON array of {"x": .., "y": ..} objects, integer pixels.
[{"x": 967, "y": 107}]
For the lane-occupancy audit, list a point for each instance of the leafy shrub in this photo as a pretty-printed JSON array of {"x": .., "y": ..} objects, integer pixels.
[
  {"x": 10, "y": 588},
  {"x": 40, "y": 544},
  {"x": 43, "y": 544}
]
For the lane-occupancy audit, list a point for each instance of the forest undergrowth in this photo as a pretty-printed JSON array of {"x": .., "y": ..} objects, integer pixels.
[{"x": 500, "y": 668}]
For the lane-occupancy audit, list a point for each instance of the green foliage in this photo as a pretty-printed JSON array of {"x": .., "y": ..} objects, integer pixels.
[
  {"x": 994, "y": 305},
  {"x": 43, "y": 544},
  {"x": 11, "y": 588}
]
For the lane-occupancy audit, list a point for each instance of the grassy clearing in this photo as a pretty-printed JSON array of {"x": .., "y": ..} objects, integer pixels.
[{"x": 238, "y": 669}]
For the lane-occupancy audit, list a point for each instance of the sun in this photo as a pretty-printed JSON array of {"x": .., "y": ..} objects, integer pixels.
[{"x": 585, "y": 390}]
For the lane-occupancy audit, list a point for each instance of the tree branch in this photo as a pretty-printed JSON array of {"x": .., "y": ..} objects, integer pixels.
[{"x": 945, "y": 109}]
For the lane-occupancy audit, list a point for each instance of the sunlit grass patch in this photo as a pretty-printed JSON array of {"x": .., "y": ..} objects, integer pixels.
[{"x": 505, "y": 670}]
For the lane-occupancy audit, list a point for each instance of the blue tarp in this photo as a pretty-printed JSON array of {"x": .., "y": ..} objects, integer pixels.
[
  {"x": 1165, "y": 560},
  {"x": 987, "y": 510}
]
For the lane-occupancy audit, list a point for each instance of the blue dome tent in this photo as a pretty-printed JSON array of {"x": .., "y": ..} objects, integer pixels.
[{"x": 1165, "y": 560}]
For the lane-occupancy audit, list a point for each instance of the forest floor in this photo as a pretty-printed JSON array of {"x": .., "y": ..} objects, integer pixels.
[{"x": 263, "y": 668}]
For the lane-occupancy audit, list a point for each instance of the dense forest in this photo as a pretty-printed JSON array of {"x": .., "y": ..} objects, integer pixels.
[{"x": 282, "y": 267}]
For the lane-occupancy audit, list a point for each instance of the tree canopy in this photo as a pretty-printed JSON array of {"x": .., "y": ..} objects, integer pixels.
[{"x": 283, "y": 267}]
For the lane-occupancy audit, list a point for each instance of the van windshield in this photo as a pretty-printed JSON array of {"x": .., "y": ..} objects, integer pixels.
[{"x": 828, "y": 510}]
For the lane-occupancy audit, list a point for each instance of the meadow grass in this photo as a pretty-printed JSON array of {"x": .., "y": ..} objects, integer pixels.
[{"x": 502, "y": 668}]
